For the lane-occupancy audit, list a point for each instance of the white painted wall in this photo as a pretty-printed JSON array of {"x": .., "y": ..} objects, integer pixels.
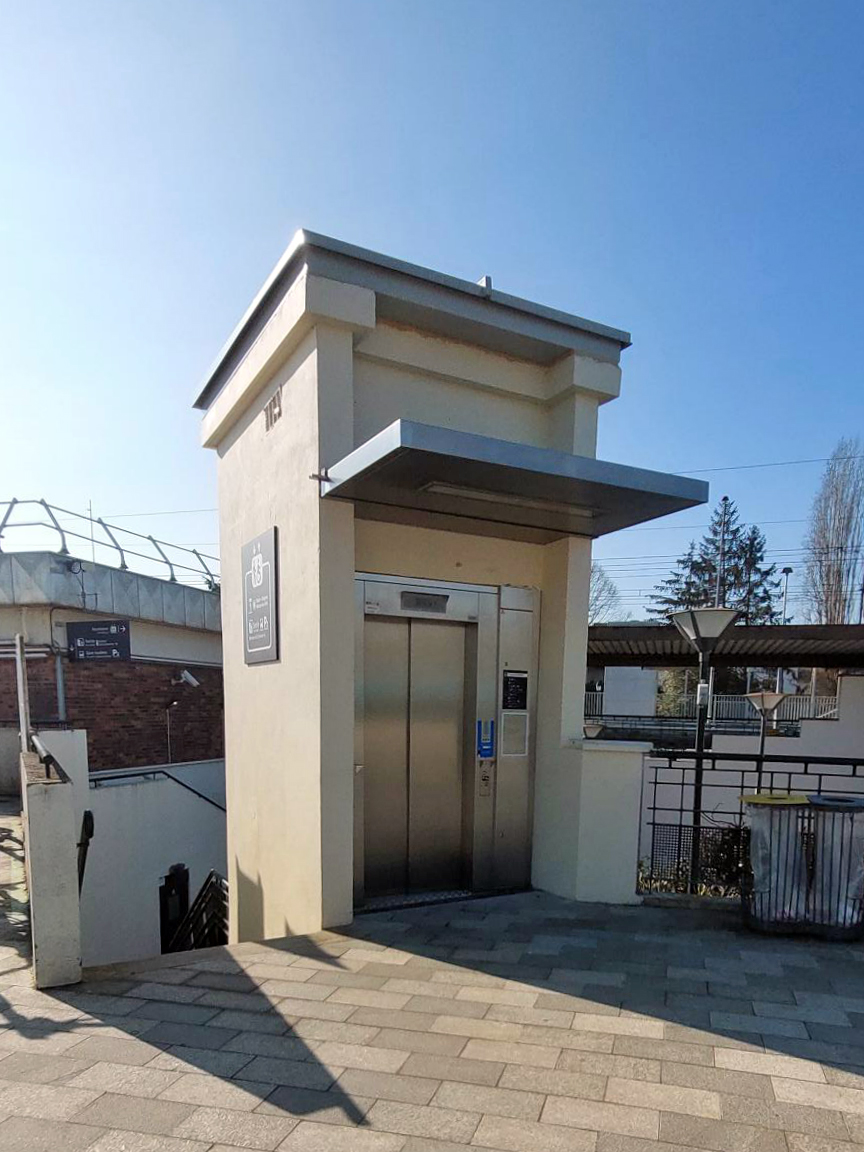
[
  {"x": 629, "y": 692},
  {"x": 52, "y": 878},
  {"x": 142, "y": 827},
  {"x": 609, "y": 802}
]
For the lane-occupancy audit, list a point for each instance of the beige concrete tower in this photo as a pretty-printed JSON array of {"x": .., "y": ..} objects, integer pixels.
[{"x": 389, "y": 420}]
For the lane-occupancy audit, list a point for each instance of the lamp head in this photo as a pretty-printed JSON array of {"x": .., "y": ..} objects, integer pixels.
[
  {"x": 703, "y": 627},
  {"x": 766, "y": 703}
]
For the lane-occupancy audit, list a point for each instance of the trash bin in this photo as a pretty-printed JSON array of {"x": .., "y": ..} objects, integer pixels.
[
  {"x": 778, "y": 894},
  {"x": 838, "y": 867}
]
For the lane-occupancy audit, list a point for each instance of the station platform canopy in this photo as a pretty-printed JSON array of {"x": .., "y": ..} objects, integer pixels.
[
  {"x": 439, "y": 477},
  {"x": 643, "y": 645}
]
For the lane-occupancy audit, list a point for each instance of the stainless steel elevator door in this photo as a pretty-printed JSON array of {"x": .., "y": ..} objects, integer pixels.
[{"x": 414, "y": 674}]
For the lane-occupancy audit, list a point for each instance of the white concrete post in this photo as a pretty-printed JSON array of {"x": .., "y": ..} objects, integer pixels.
[
  {"x": 610, "y": 803},
  {"x": 52, "y": 874}
]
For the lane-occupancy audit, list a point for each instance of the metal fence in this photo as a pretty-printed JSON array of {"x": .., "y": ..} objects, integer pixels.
[
  {"x": 727, "y": 707},
  {"x": 693, "y": 837}
]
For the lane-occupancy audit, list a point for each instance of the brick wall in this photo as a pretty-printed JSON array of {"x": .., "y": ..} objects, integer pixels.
[{"x": 122, "y": 706}]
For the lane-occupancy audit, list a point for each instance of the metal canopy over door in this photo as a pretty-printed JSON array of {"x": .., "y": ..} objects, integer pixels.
[{"x": 414, "y": 732}]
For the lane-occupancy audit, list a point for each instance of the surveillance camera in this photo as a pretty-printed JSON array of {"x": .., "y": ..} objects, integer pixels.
[{"x": 187, "y": 678}]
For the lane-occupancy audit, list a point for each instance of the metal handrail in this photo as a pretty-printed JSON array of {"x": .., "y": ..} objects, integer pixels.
[
  {"x": 49, "y": 760},
  {"x": 105, "y": 777},
  {"x": 206, "y": 922},
  {"x": 157, "y": 556}
]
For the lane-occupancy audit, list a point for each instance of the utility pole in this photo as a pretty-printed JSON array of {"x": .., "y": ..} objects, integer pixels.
[
  {"x": 784, "y": 619},
  {"x": 719, "y": 589}
]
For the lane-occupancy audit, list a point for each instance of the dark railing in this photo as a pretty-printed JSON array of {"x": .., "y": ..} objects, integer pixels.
[
  {"x": 131, "y": 774},
  {"x": 49, "y": 761},
  {"x": 705, "y": 852},
  {"x": 668, "y": 732},
  {"x": 205, "y": 925}
]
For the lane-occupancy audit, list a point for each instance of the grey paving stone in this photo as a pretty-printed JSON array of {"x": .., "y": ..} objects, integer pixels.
[
  {"x": 554, "y": 1082},
  {"x": 418, "y": 1120},
  {"x": 733, "y": 1083},
  {"x": 190, "y": 1035},
  {"x": 337, "y": 979},
  {"x": 218, "y": 1062},
  {"x": 114, "y": 1050},
  {"x": 280, "y": 989},
  {"x": 598, "y": 1116},
  {"x": 460, "y": 1069},
  {"x": 287, "y": 1047},
  {"x": 476, "y": 1029},
  {"x": 134, "y": 1114},
  {"x": 358, "y": 1056},
  {"x": 718, "y": 1135},
  {"x": 542, "y": 1017},
  {"x": 311, "y": 1137},
  {"x": 311, "y": 1010},
  {"x": 127, "y": 1079},
  {"x": 236, "y": 1001},
  {"x": 388, "y": 1086},
  {"x": 175, "y": 1013},
  {"x": 839, "y": 1098},
  {"x": 607, "y": 1064},
  {"x": 784, "y": 1117},
  {"x": 567, "y": 1038},
  {"x": 36, "y": 1040},
  {"x": 420, "y": 1042},
  {"x": 25, "y": 1134},
  {"x": 347, "y": 1033},
  {"x": 843, "y": 1077},
  {"x": 508, "y": 1052},
  {"x": 216, "y": 1092},
  {"x": 43, "y": 1101},
  {"x": 442, "y": 1005},
  {"x": 612, "y": 1142},
  {"x": 236, "y": 1129},
  {"x": 764, "y": 1025},
  {"x": 37, "y": 1068},
  {"x": 269, "y": 1022},
  {"x": 509, "y": 1135},
  {"x": 143, "y": 1142},
  {"x": 492, "y": 1101},
  {"x": 297, "y": 1073},
  {"x": 333, "y": 1107},
  {"x": 177, "y": 993},
  {"x": 836, "y": 1034}
]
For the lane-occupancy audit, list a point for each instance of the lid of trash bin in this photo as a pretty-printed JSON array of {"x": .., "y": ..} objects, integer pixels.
[
  {"x": 778, "y": 799},
  {"x": 838, "y": 803}
]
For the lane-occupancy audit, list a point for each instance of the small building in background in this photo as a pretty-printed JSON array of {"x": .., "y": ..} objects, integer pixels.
[{"x": 130, "y": 697}]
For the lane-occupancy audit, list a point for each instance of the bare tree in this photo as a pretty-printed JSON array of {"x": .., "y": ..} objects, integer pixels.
[
  {"x": 604, "y": 599},
  {"x": 834, "y": 566}
]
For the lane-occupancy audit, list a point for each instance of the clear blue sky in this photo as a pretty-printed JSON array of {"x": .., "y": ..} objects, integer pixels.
[{"x": 689, "y": 171}]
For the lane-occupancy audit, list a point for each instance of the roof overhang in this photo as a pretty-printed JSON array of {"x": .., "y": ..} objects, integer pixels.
[
  {"x": 753, "y": 645},
  {"x": 421, "y": 298},
  {"x": 421, "y": 474}
]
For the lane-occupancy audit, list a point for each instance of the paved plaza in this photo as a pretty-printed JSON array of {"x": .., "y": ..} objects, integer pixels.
[{"x": 522, "y": 1023}]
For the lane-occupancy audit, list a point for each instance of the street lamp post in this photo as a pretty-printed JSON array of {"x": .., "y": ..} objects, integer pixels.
[
  {"x": 702, "y": 628},
  {"x": 787, "y": 572},
  {"x": 766, "y": 704}
]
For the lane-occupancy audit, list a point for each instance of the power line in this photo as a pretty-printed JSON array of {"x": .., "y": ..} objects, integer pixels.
[{"x": 770, "y": 464}]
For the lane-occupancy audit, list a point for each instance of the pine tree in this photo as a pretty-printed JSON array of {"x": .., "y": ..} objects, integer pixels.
[{"x": 746, "y": 582}]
